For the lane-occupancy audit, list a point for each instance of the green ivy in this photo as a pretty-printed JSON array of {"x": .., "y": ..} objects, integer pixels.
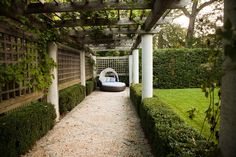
[{"x": 39, "y": 73}]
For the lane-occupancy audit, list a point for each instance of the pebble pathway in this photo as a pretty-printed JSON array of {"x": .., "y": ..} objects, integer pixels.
[{"x": 105, "y": 124}]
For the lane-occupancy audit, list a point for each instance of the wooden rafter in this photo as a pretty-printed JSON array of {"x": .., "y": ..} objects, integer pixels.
[
  {"x": 131, "y": 31},
  {"x": 81, "y": 6},
  {"x": 115, "y": 26},
  {"x": 159, "y": 7},
  {"x": 89, "y": 22}
]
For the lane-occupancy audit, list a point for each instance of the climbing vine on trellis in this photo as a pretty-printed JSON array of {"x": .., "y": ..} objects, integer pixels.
[{"x": 34, "y": 69}]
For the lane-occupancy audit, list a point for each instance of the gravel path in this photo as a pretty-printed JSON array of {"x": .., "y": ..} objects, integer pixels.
[{"x": 103, "y": 125}]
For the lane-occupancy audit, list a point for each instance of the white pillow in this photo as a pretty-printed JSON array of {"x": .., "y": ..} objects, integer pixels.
[
  {"x": 108, "y": 79},
  {"x": 112, "y": 79}
]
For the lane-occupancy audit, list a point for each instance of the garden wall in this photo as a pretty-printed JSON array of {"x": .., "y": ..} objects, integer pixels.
[
  {"x": 183, "y": 68},
  {"x": 168, "y": 135}
]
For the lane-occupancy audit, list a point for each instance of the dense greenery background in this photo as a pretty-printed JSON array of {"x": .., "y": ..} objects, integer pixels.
[{"x": 185, "y": 68}]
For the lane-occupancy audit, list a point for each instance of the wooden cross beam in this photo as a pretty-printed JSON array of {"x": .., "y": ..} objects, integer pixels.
[
  {"x": 91, "y": 22},
  {"x": 159, "y": 7},
  {"x": 52, "y": 7},
  {"x": 107, "y": 32},
  {"x": 81, "y": 6},
  {"x": 98, "y": 49}
]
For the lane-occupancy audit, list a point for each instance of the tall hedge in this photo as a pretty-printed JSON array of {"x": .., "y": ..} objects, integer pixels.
[
  {"x": 70, "y": 97},
  {"x": 167, "y": 134},
  {"x": 182, "y": 68},
  {"x": 20, "y": 129}
]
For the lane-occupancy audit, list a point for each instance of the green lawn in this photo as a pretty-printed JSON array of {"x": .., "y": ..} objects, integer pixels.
[{"x": 182, "y": 100}]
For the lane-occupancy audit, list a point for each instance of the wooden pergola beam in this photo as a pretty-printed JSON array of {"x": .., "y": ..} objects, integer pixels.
[
  {"x": 159, "y": 7},
  {"x": 136, "y": 43},
  {"x": 81, "y": 6},
  {"x": 88, "y": 32},
  {"x": 104, "y": 40},
  {"x": 90, "y": 22}
]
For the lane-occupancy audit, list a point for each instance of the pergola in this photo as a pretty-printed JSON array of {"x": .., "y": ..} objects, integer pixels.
[
  {"x": 122, "y": 25},
  {"x": 100, "y": 25},
  {"x": 105, "y": 26}
]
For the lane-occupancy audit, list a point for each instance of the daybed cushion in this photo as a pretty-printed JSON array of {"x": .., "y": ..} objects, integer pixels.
[{"x": 113, "y": 86}]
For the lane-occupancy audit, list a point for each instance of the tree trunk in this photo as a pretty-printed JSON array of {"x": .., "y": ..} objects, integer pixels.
[
  {"x": 228, "y": 106},
  {"x": 191, "y": 26},
  {"x": 160, "y": 40}
]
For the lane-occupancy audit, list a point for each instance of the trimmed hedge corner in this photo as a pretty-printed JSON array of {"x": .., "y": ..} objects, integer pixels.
[
  {"x": 90, "y": 86},
  {"x": 168, "y": 135},
  {"x": 20, "y": 129},
  {"x": 70, "y": 97}
]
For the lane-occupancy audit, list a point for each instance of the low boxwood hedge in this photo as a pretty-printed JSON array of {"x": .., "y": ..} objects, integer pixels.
[
  {"x": 21, "y": 128},
  {"x": 90, "y": 86},
  {"x": 136, "y": 96},
  {"x": 168, "y": 135},
  {"x": 70, "y": 97}
]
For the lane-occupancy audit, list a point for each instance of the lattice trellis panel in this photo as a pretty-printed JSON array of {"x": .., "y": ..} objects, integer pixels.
[
  {"x": 88, "y": 68},
  {"x": 68, "y": 66},
  {"x": 119, "y": 64},
  {"x": 12, "y": 50}
]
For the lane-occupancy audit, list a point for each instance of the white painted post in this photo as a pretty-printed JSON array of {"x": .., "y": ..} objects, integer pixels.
[
  {"x": 82, "y": 68},
  {"x": 52, "y": 96},
  {"x": 130, "y": 69},
  {"x": 94, "y": 67},
  {"x": 135, "y": 66},
  {"x": 147, "y": 66}
]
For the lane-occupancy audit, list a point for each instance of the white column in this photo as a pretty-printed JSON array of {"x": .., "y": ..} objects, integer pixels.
[
  {"x": 82, "y": 68},
  {"x": 130, "y": 69},
  {"x": 147, "y": 66},
  {"x": 94, "y": 67},
  {"x": 52, "y": 96},
  {"x": 135, "y": 66}
]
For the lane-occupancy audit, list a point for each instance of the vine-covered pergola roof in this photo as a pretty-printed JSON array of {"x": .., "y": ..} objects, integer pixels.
[{"x": 100, "y": 25}]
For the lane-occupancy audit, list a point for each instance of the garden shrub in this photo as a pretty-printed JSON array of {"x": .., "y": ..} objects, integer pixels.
[
  {"x": 124, "y": 79},
  {"x": 70, "y": 97},
  {"x": 168, "y": 135},
  {"x": 136, "y": 95},
  {"x": 90, "y": 86},
  {"x": 183, "y": 68},
  {"x": 21, "y": 128}
]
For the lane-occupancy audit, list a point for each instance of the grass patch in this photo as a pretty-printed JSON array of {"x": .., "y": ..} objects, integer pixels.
[{"x": 182, "y": 100}]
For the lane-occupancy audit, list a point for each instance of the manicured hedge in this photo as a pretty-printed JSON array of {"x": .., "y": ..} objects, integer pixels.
[
  {"x": 168, "y": 135},
  {"x": 136, "y": 96},
  {"x": 70, "y": 97},
  {"x": 90, "y": 86},
  {"x": 21, "y": 128},
  {"x": 124, "y": 79},
  {"x": 182, "y": 68}
]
